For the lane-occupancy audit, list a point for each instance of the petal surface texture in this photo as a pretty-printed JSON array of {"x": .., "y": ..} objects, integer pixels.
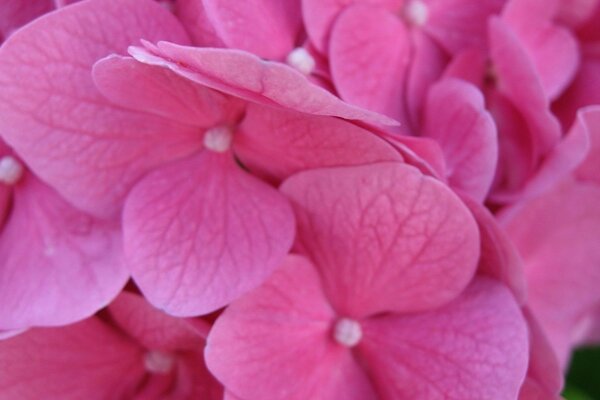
[
  {"x": 384, "y": 237},
  {"x": 200, "y": 232}
]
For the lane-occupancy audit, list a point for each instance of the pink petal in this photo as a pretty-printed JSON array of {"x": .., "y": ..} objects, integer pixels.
[
  {"x": 421, "y": 152},
  {"x": 460, "y": 24},
  {"x": 469, "y": 65},
  {"x": 319, "y": 16},
  {"x": 275, "y": 343},
  {"x": 15, "y": 13},
  {"x": 192, "y": 15},
  {"x": 151, "y": 327},
  {"x": 267, "y": 28},
  {"x": 519, "y": 82},
  {"x": 473, "y": 348},
  {"x": 558, "y": 236},
  {"x": 574, "y": 13},
  {"x": 584, "y": 91},
  {"x": 543, "y": 40},
  {"x": 280, "y": 143},
  {"x": 58, "y": 265},
  {"x": 158, "y": 91},
  {"x": 369, "y": 55},
  {"x": 456, "y": 117},
  {"x": 428, "y": 62},
  {"x": 384, "y": 237},
  {"x": 200, "y": 232},
  {"x": 53, "y": 116},
  {"x": 499, "y": 256},
  {"x": 88, "y": 360},
  {"x": 247, "y": 76},
  {"x": 589, "y": 170}
]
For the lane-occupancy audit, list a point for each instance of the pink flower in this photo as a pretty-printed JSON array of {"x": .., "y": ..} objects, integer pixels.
[
  {"x": 129, "y": 351},
  {"x": 57, "y": 264},
  {"x": 378, "y": 307},
  {"x": 199, "y": 230}
]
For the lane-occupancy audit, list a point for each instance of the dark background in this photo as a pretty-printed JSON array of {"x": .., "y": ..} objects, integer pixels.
[{"x": 583, "y": 379}]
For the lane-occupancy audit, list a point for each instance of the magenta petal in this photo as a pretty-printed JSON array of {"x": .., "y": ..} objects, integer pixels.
[
  {"x": 88, "y": 360},
  {"x": 279, "y": 143},
  {"x": 275, "y": 343},
  {"x": 200, "y": 232},
  {"x": 267, "y": 28},
  {"x": 369, "y": 54},
  {"x": 456, "y": 117},
  {"x": 58, "y": 265},
  {"x": 247, "y": 76},
  {"x": 589, "y": 170},
  {"x": 15, "y": 13},
  {"x": 157, "y": 91},
  {"x": 53, "y": 116},
  {"x": 473, "y": 348},
  {"x": 384, "y": 237}
]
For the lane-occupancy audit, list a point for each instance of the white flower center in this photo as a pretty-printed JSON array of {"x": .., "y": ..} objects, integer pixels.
[
  {"x": 159, "y": 362},
  {"x": 301, "y": 59},
  {"x": 218, "y": 139},
  {"x": 416, "y": 12},
  {"x": 347, "y": 332},
  {"x": 11, "y": 170}
]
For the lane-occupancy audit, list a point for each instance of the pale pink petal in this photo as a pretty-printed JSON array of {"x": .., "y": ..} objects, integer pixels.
[
  {"x": 384, "y": 237},
  {"x": 87, "y": 360},
  {"x": 276, "y": 343},
  {"x": 279, "y": 143},
  {"x": 499, "y": 256},
  {"x": 54, "y": 117},
  {"x": 369, "y": 55},
  {"x": 158, "y": 91},
  {"x": 267, "y": 28},
  {"x": 460, "y": 24},
  {"x": 200, "y": 232},
  {"x": 473, "y": 348},
  {"x": 543, "y": 40},
  {"x": 319, "y": 16},
  {"x": 557, "y": 235},
  {"x": 192, "y": 15},
  {"x": 58, "y": 265},
  {"x": 456, "y": 117},
  {"x": 247, "y": 76},
  {"x": 151, "y": 327}
]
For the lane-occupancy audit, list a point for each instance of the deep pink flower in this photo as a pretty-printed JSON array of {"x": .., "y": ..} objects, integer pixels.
[
  {"x": 131, "y": 351},
  {"x": 199, "y": 230},
  {"x": 377, "y": 306},
  {"x": 57, "y": 264}
]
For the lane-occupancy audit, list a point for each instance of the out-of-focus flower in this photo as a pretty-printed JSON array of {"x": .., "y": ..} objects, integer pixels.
[{"x": 129, "y": 351}]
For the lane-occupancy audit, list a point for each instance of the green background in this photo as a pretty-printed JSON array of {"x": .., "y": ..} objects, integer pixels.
[{"x": 583, "y": 379}]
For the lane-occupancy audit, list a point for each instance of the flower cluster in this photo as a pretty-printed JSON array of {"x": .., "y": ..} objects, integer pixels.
[{"x": 297, "y": 199}]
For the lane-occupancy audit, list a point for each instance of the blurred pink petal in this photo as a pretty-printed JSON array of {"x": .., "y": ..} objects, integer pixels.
[
  {"x": 15, "y": 13},
  {"x": 455, "y": 116}
]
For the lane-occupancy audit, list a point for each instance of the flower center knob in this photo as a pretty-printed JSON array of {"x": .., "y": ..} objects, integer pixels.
[
  {"x": 11, "y": 170},
  {"x": 218, "y": 139},
  {"x": 416, "y": 12},
  {"x": 159, "y": 362},
  {"x": 347, "y": 332},
  {"x": 301, "y": 59}
]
